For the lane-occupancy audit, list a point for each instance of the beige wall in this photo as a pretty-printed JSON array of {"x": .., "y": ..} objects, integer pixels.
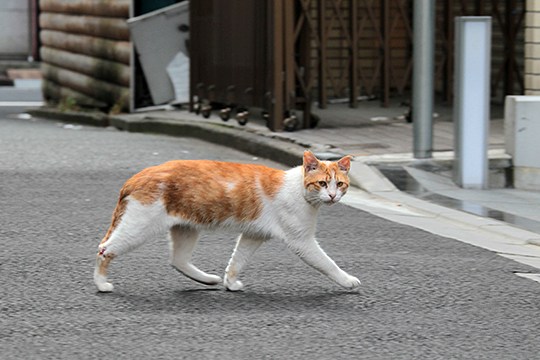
[{"x": 532, "y": 48}]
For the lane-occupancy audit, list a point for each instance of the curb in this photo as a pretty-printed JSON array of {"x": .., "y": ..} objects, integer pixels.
[
  {"x": 368, "y": 178},
  {"x": 84, "y": 118},
  {"x": 277, "y": 150}
]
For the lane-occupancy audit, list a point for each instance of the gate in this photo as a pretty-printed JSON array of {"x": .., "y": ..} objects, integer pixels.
[
  {"x": 279, "y": 55},
  {"x": 363, "y": 49},
  {"x": 358, "y": 48},
  {"x": 242, "y": 58}
]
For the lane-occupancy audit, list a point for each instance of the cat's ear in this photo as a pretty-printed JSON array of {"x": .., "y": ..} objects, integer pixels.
[
  {"x": 310, "y": 161},
  {"x": 344, "y": 163}
]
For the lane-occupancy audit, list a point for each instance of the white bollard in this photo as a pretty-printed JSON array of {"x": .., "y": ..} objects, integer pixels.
[{"x": 471, "y": 100}]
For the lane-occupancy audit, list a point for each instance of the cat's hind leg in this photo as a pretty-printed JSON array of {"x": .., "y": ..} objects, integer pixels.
[
  {"x": 108, "y": 251},
  {"x": 133, "y": 224},
  {"x": 100, "y": 273},
  {"x": 183, "y": 241},
  {"x": 245, "y": 247}
]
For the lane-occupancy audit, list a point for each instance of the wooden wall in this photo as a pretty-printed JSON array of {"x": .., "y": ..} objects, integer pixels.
[
  {"x": 85, "y": 52},
  {"x": 384, "y": 46}
]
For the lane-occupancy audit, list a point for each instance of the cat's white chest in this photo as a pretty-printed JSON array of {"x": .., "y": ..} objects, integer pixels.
[{"x": 289, "y": 214}]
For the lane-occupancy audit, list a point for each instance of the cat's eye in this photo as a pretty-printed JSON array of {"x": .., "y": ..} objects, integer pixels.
[
  {"x": 340, "y": 183},
  {"x": 322, "y": 183}
]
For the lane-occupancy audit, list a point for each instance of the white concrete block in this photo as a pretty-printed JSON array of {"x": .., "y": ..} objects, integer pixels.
[
  {"x": 522, "y": 134},
  {"x": 527, "y": 178}
]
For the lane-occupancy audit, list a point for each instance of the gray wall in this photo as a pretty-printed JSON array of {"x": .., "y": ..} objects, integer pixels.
[{"x": 15, "y": 20}]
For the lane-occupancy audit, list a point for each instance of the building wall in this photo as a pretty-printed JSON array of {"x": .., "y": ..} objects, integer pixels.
[{"x": 532, "y": 48}]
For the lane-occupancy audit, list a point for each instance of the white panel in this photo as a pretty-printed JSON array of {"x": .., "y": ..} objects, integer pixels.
[{"x": 158, "y": 38}]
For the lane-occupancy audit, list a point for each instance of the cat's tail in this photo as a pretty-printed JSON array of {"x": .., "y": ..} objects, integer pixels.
[{"x": 118, "y": 212}]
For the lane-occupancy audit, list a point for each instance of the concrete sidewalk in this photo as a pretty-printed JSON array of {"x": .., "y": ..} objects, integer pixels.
[{"x": 502, "y": 220}]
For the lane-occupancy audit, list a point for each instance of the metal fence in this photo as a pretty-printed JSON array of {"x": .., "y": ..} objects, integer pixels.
[{"x": 282, "y": 55}]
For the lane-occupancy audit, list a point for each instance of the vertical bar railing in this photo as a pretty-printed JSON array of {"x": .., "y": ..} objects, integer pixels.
[
  {"x": 385, "y": 49},
  {"x": 288, "y": 55},
  {"x": 510, "y": 50},
  {"x": 275, "y": 122},
  {"x": 448, "y": 46},
  {"x": 322, "y": 53},
  {"x": 353, "y": 53},
  {"x": 303, "y": 69}
]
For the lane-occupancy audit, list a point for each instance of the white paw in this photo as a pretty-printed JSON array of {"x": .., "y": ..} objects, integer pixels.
[
  {"x": 102, "y": 284},
  {"x": 234, "y": 285},
  {"x": 105, "y": 287},
  {"x": 351, "y": 282}
]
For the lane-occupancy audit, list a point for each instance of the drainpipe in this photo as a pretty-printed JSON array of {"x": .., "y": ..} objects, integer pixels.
[
  {"x": 423, "y": 68},
  {"x": 33, "y": 54}
]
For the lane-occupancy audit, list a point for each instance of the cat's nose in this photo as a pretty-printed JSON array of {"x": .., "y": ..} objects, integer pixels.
[{"x": 332, "y": 196}]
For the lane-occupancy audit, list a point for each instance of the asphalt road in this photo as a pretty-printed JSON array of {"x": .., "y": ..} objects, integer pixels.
[{"x": 423, "y": 296}]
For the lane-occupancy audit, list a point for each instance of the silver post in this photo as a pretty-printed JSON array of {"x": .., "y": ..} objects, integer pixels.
[{"x": 423, "y": 68}]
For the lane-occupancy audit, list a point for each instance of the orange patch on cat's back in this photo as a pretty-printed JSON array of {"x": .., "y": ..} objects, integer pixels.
[
  {"x": 206, "y": 191},
  {"x": 271, "y": 182}
]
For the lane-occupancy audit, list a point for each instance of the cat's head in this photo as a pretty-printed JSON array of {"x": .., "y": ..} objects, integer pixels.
[{"x": 325, "y": 181}]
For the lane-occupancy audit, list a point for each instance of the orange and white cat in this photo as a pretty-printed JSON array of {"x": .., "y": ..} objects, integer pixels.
[{"x": 187, "y": 196}]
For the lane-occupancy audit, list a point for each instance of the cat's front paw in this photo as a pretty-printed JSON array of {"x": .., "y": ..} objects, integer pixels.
[
  {"x": 235, "y": 285},
  {"x": 351, "y": 282}
]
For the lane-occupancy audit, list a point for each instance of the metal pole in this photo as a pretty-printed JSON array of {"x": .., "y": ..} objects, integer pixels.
[{"x": 423, "y": 68}]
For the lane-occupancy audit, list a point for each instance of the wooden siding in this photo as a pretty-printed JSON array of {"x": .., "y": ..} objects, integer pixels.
[{"x": 85, "y": 52}]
